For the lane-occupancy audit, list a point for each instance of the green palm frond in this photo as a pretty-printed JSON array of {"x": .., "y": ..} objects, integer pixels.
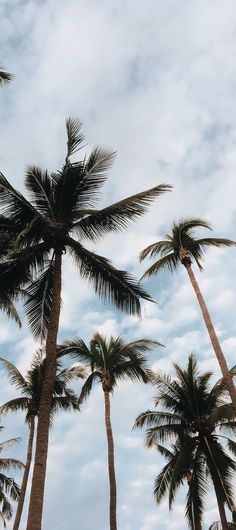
[
  {"x": 163, "y": 451},
  {"x": 39, "y": 302},
  {"x": 118, "y": 216},
  {"x": 113, "y": 285},
  {"x": 75, "y": 136}
]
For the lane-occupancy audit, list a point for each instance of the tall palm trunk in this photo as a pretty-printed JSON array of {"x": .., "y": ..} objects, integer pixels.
[
  {"x": 111, "y": 462},
  {"x": 39, "y": 474},
  {"x": 25, "y": 476},
  {"x": 212, "y": 334},
  {"x": 222, "y": 513}
]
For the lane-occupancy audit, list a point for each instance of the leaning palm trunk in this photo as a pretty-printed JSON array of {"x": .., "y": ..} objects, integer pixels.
[
  {"x": 212, "y": 334},
  {"x": 111, "y": 464},
  {"x": 222, "y": 513},
  {"x": 39, "y": 473},
  {"x": 20, "y": 504}
]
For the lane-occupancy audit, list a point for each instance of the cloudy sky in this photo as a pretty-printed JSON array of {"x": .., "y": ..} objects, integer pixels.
[{"x": 156, "y": 82}]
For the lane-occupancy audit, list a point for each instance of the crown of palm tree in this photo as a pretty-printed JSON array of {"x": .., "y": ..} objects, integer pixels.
[
  {"x": 112, "y": 359},
  {"x": 60, "y": 215},
  {"x": 30, "y": 387},
  {"x": 195, "y": 417},
  {"x": 182, "y": 237}
]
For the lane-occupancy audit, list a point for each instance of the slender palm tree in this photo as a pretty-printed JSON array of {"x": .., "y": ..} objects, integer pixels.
[
  {"x": 109, "y": 362},
  {"x": 5, "y": 77},
  {"x": 59, "y": 215},
  {"x": 9, "y": 489},
  {"x": 194, "y": 419},
  {"x": 30, "y": 387},
  {"x": 181, "y": 246}
]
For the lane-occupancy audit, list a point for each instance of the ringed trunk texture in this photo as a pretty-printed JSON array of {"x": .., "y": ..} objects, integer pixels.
[
  {"x": 21, "y": 501},
  {"x": 212, "y": 334},
  {"x": 111, "y": 462},
  {"x": 41, "y": 451}
]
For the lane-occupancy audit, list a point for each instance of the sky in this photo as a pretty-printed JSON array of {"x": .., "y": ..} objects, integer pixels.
[{"x": 155, "y": 81}]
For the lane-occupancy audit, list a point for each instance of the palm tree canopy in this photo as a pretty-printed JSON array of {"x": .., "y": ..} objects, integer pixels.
[
  {"x": 5, "y": 77},
  {"x": 111, "y": 360},
  {"x": 30, "y": 387},
  {"x": 59, "y": 216},
  {"x": 194, "y": 419},
  {"x": 182, "y": 237}
]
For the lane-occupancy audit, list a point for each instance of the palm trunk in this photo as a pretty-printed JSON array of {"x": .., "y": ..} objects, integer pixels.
[
  {"x": 20, "y": 504},
  {"x": 111, "y": 463},
  {"x": 39, "y": 474},
  {"x": 222, "y": 513},
  {"x": 212, "y": 334}
]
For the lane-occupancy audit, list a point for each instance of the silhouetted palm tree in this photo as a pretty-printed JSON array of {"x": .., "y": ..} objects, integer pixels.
[
  {"x": 182, "y": 247},
  {"x": 30, "y": 387},
  {"x": 59, "y": 216},
  {"x": 9, "y": 489},
  {"x": 193, "y": 419},
  {"x": 110, "y": 361}
]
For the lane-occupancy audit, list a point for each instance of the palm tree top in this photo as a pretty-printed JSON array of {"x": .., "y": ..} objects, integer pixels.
[
  {"x": 30, "y": 387},
  {"x": 181, "y": 246},
  {"x": 60, "y": 215},
  {"x": 111, "y": 359}
]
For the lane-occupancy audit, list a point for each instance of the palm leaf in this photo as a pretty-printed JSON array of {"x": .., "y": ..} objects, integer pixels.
[
  {"x": 87, "y": 386},
  {"x": 39, "y": 184},
  {"x": 118, "y": 216},
  {"x": 39, "y": 302},
  {"x": 169, "y": 262},
  {"x": 16, "y": 378},
  {"x": 5, "y": 77},
  {"x": 113, "y": 285},
  {"x": 75, "y": 136}
]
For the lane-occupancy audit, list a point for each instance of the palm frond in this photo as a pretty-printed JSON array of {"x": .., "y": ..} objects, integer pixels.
[
  {"x": 5, "y": 77},
  {"x": 113, "y": 285},
  {"x": 39, "y": 302},
  {"x": 169, "y": 262},
  {"x": 8, "y": 307},
  {"x": 215, "y": 242},
  {"x": 162, "y": 481},
  {"x": 120, "y": 215},
  {"x": 39, "y": 184},
  {"x": 15, "y": 376},
  {"x": 197, "y": 488},
  {"x": 75, "y": 136},
  {"x": 21, "y": 403},
  {"x": 160, "y": 247},
  {"x": 87, "y": 386}
]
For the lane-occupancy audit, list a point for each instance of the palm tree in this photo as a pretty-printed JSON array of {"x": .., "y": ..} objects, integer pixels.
[
  {"x": 5, "y": 77},
  {"x": 30, "y": 386},
  {"x": 195, "y": 420},
  {"x": 9, "y": 489},
  {"x": 182, "y": 247},
  {"x": 110, "y": 361},
  {"x": 57, "y": 218}
]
